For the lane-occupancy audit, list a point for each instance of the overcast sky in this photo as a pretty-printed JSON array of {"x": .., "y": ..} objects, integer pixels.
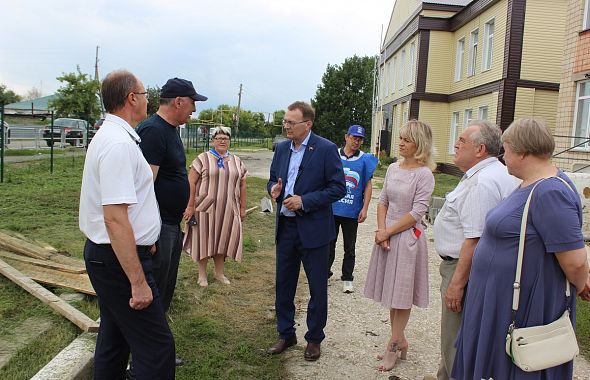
[{"x": 277, "y": 49}]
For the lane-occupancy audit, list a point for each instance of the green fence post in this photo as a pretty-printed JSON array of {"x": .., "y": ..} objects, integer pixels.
[
  {"x": 51, "y": 148},
  {"x": 2, "y": 132}
]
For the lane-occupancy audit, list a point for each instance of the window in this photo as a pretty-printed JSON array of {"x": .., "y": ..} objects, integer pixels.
[
  {"x": 405, "y": 112},
  {"x": 467, "y": 117},
  {"x": 488, "y": 46},
  {"x": 459, "y": 59},
  {"x": 482, "y": 113},
  {"x": 393, "y": 68},
  {"x": 472, "y": 53},
  {"x": 454, "y": 131},
  {"x": 412, "y": 63},
  {"x": 582, "y": 121},
  {"x": 382, "y": 83},
  {"x": 586, "y": 22},
  {"x": 400, "y": 78}
]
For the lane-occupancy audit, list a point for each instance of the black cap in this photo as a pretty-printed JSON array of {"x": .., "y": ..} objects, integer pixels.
[{"x": 180, "y": 87}]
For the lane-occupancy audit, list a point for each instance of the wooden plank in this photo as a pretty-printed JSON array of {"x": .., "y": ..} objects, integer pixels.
[
  {"x": 75, "y": 281},
  {"x": 42, "y": 263},
  {"x": 68, "y": 311},
  {"x": 23, "y": 247}
]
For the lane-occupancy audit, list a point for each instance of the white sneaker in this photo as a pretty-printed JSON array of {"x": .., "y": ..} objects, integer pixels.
[{"x": 347, "y": 287}]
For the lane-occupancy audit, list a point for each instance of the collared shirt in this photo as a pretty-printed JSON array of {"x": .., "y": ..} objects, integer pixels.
[
  {"x": 463, "y": 213},
  {"x": 115, "y": 172},
  {"x": 294, "y": 168},
  {"x": 355, "y": 156}
]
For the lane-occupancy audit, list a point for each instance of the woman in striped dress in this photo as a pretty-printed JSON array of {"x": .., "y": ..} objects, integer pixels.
[{"x": 216, "y": 207}]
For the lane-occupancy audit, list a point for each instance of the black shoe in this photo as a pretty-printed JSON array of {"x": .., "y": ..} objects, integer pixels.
[
  {"x": 178, "y": 362},
  {"x": 282, "y": 345},
  {"x": 312, "y": 352}
]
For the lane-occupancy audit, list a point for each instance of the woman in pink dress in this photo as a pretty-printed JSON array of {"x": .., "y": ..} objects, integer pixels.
[
  {"x": 216, "y": 207},
  {"x": 398, "y": 270}
]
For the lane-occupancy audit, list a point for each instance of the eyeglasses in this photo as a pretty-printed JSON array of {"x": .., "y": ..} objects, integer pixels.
[
  {"x": 293, "y": 123},
  {"x": 142, "y": 93},
  {"x": 221, "y": 138}
]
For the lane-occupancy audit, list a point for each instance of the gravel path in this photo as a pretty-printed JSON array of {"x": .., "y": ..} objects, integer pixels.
[{"x": 358, "y": 327}]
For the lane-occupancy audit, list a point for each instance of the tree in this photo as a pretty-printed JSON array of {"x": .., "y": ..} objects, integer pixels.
[
  {"x": 277, "y": 123},
  {"x": 8, "y": 96},
  {"x": 33, "y": 93},
  {"x": 153, "y": 94},
  {"x": 252, "y": 122},
  {"x": 344, "y": 98},
  {"x": 78, "y": 98}
]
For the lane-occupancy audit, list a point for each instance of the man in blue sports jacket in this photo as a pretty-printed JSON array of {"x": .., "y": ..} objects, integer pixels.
[{"x": 306, "y": 177}]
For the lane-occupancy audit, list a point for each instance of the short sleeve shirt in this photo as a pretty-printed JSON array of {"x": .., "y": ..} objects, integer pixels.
[
  {"x": 161, "y": 146},
  {"x": 115, "y": 172}
]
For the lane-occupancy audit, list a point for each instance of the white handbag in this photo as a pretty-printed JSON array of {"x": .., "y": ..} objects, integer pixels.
[{"x": 531, "y": 348}]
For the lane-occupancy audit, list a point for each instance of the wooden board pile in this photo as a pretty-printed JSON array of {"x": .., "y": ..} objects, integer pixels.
[{"x": 27, "y": 264}]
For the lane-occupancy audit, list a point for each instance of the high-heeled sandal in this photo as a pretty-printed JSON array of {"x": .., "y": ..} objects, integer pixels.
[{"x": 403, "y": 352}]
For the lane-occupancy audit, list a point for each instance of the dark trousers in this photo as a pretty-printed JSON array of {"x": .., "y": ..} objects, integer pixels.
[
  {"x": 349, "y": 230},
  {"x": 165, "y": 262},
  {"x": 122, "y": 329},
  {"x": 290, "y": 255}
]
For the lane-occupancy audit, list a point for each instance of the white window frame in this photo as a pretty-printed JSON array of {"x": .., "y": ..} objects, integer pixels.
[
  {"x": 473, "y": 43},
  {"x": 586, "y": 21},
  {"x": 454, "y": 135},
  {"x": 393, "y": 73},
  {"x": 481, "y": 111},
  {"x": 585, "y": 132},
  {"x": 488, "y": 45},
  {"x": 412, "y": 63},
  {"x": 400, "y": 78},
  {"x": 404, "y": 113},
  {"x": 467, "y": 117},
  {"x": 459, "y": 57}
]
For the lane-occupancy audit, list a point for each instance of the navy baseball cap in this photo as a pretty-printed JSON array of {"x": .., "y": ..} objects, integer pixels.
[
  {"x": 357, "y": 131},
  {"x": 180, "y": 87}
]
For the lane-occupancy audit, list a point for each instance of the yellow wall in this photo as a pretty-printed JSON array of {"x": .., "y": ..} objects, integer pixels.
[
  {"x": 437, "y": 115},
  {"x": 402, "y": 11},
  {"x": 498, "y": 13},
  {"x": 440, "y": 14},
  {"x": 543, "y": 44},
  {"x": 438, "y": 75},
  {"x": 537, "y": 103}
]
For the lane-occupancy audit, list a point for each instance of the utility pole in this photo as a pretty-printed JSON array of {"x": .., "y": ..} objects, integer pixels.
[
  {"x": 96, "y": 77},
  {"x": 238, "y": 112}
]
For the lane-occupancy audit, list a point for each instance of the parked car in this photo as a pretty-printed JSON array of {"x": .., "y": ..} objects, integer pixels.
[
  {"x": 277, "y": 140},
  {"x": 6, "y": 133},
  {"x": 74, "y": 130},
  {"x": 92, "y": 130}
]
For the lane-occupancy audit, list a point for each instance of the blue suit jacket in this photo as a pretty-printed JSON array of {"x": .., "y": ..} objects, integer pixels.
[{"x": 319, "y": 183}]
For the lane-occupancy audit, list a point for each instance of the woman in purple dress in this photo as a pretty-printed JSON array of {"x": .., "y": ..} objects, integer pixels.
[
  {"x": 554, "y": 250},
  {"x": 398, "y": 270}
]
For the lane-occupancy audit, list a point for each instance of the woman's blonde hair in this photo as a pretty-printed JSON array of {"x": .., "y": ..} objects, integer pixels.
[
  {"x": 529, "y": 136},
  {"x": 220, "y": 130},
  {"x": 420, "y": 134}
]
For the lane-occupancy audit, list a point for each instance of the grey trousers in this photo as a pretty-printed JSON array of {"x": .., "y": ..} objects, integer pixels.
[{"x": 449, "y": 324}]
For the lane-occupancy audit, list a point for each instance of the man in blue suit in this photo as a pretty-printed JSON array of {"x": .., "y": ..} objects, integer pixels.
[{"x": 306, "y": 177}]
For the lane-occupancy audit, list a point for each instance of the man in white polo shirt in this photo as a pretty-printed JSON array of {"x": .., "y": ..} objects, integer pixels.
[
  {"x": 120, "y": 218},
  {"x": 460, "y": 222}
]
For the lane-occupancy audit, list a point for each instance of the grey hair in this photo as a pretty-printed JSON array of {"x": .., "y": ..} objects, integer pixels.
[
  {"x": 116, "y": 86},
  {"x": 488, "y": 134},
  {"x": 220, "y": 130}
]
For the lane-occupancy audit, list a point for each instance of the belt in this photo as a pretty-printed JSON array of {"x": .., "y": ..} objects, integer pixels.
[
  {"x": 448, "y": 258},
  {"x": 140, "y": 248}
]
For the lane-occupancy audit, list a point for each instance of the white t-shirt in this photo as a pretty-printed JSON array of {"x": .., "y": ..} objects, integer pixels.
[
  {"x": 115, "y": 172},
  {"x": 463, "y": 214}
]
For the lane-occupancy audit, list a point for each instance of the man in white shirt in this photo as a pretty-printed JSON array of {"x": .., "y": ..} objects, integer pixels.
[
  {"x": 120, "y": 218},
  {"x": 460, "y": 223}
]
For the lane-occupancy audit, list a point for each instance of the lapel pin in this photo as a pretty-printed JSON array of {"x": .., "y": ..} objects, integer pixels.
[{"x": 311, "y": 148}]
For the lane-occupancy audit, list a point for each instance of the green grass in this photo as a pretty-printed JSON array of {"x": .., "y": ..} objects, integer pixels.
[
  {"x": 36, "y": 152},
  {"x": 220, "y": 331}
]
